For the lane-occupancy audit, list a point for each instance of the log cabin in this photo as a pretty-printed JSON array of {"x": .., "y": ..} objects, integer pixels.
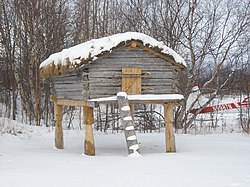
[{"x": 94, "y": 72}]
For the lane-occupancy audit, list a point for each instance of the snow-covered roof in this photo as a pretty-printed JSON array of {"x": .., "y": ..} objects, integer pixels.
[{"x": 90, "y": 51}]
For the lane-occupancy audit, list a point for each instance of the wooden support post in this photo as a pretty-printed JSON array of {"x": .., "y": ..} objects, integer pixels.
[
  {"x": 58, "y": 131},
  {"x": 169, "y": 133},
  {"x": 88, "y": 119},
  {"x": 128, "y": 123}
]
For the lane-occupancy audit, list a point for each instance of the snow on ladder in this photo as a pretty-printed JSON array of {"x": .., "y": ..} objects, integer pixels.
[{"x": 128, "y": 123}]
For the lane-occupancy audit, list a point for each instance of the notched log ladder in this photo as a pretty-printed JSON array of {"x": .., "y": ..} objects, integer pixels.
[{"x": 128, "y": 123}]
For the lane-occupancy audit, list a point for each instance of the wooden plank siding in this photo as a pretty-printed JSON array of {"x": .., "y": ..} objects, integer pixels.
[
  {"x": 131, "y": 80},
  {"x": 103, "y": 77}
]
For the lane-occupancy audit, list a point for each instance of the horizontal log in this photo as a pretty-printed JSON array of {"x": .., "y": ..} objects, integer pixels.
[
  {"x": 70, "y": 97},
  {"x": 67, "y": 82},
  {"x": 71, "y": 87},
  {"x": 130, "y": 54},
  {"x": 107, "y": 89},
  {"x": 70, "y": 94},
  {"x": 118, "y": 75},
  {"x": 101, "y": 80},
  {"x": 145, "y": 88},
  {"x": 157, "y": 87},
  {"x": 76, "y": 91},
  {"x": 100, "y": 96},
  {"x": 119, "y": 69},
  {"x": 71, "y": 75},
  {"x": 137, "y": 61},
  {"x": 67, "y": 77},
  {"x": 106, "y": 68},
  {"x": 145, "y": 79},
  {"x": 71, "y": 102},
  {"x": 156, "y": 81},
  {"x": 102, "y": 84},
  {"x": 68, "y": 87},
  {"x": 104, "y": 74},
  {"x": 163, "y": 91},
  {"x": 128, "y": 62},
  {"x": 97, "y": 94}
]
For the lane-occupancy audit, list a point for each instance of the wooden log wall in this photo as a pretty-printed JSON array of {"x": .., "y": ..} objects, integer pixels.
[
  {"x": 68, "y": 87},
  {"x": 102, "y": 78}
]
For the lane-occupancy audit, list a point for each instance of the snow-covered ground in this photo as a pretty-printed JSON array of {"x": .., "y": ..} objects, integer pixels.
[{"x": 30, "y": 160}]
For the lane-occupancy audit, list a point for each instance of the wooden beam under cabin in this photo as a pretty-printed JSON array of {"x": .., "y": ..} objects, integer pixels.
[{"x": 68, "y": 102}]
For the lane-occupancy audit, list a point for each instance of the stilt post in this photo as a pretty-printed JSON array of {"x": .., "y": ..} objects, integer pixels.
[
  {"x": 169, "y": 133},
  {"x": 88, "y": 119},
  {"x": 58, "y": 131}
]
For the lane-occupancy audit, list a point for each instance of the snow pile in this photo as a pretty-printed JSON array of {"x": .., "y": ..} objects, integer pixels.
[
  {"x": 13, "y": 127},
  {"x": 91, "y": 49}
]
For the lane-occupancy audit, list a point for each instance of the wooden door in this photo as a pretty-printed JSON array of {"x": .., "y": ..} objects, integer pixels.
[{"x": 131, "y": 80}]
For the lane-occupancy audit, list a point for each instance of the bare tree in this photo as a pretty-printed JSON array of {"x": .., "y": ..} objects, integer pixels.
[
  {"x": 30, "y": 31},
  {"x": 8, "y": 45},
  {"x": 210, "y": 40}
]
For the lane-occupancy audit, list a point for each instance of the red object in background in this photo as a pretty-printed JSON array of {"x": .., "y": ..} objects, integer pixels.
[{"x": 243, "y": 104}]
